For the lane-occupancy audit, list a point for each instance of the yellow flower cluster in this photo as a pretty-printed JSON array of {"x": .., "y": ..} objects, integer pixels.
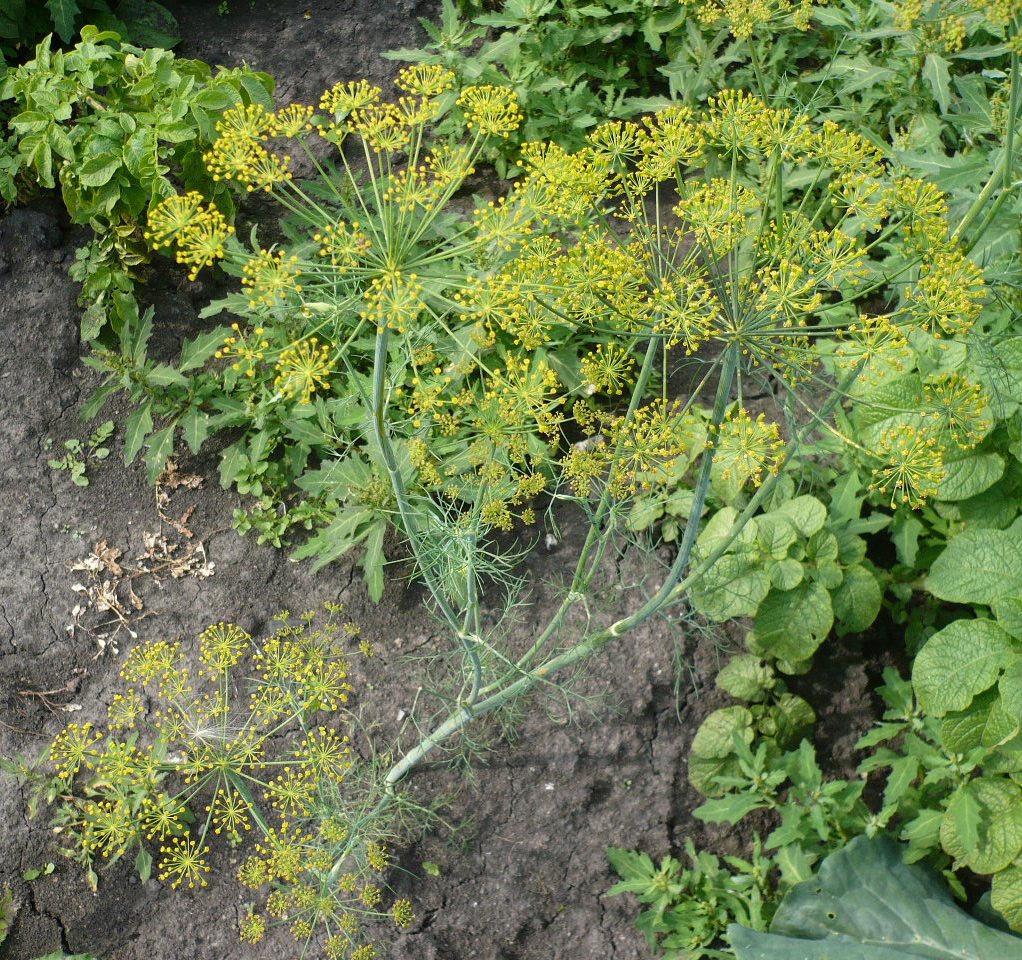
[
  {"x": 272, "y": 277},
  {"x": 246, "y": 349},
  {"x": 304, "y": 368},
  {"x": 746, "y": 17},
  {"x": 491, "y": 110},
  {"x": 199, "y": 233}
]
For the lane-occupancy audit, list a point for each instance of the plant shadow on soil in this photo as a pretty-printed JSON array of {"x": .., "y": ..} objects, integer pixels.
[{"x": 527, "y": 876}]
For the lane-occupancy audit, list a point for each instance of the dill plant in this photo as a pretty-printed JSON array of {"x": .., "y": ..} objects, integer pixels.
[
  {"x": 248, "y": 740},
  {"x": 472, "y": 362}
]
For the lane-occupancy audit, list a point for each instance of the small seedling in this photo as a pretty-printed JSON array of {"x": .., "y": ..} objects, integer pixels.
[
  {"x": 79, "y": 454},
  {"x": 35, "y": 873}
]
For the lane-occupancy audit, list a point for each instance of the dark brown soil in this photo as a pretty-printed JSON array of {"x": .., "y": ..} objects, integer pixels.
[{"x": 525, "y": 877}]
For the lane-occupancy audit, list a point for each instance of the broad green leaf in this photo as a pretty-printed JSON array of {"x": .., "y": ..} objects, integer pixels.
[
  {"x": 98, "y": 170},
  {"x": 715, "y": 737},
  {"x": 963, "y": 730},
  {"x": 998, "y": 838},
  {"x": 791, "y": 624},
  {"x": 857, "y": 600},
  {"x": 866, "y": 904},
  {"x": 969, "y": 475},
  {"x": 1006, "y": 894},
  {"x": 733, "y": 587},
  {"x": 958, "y": 662},
  {"x": 144, "y": 864},
  {"x": 786, "y": 574},
  {"x": 978, "y": 566},
  {"x": 373, "y": 560},
  {"x": 1008, "y": 611},
  {"x": 807, "y": 514},
  {"x": 703, "y": 772},
  {"x": 746, "y": 677}
]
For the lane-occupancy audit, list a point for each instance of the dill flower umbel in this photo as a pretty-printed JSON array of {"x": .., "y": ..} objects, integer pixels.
[
  {"x": 304, "y": 368},
  {"x": 491, "y": 110}
]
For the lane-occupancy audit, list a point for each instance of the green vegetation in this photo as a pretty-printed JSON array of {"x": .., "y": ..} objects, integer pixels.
[{"x": 806, "y": 213}]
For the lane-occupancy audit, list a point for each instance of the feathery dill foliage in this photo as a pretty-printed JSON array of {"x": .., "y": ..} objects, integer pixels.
[{"x": 248, "y": 741}]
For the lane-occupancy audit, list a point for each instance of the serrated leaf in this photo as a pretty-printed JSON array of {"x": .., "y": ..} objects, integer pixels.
[
  {"x": 959, "y": 662},
  {"x": 160, "y": 449},
  {"x": 729, "y": 809},
  {"x": 964, "y": 809},
  {"x": 194, "y": 428},
  {"x": 197, "y": 351},
  {"x": 64, "y": 13},
  {"x": 137, "y": 427},
  {"x": 936, "y": 74},
  {"x": 998, "y": 839}
]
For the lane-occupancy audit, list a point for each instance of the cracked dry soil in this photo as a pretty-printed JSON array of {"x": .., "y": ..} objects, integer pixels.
[{"x": 526, "y": 874}]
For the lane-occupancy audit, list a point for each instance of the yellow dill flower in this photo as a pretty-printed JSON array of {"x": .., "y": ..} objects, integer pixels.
[
  {"x": 72, "y": 747},
  {"x": 735, "y": 122},
  {"x": 745, "y": 447},
  {"x": 450, "y": 163},
  {"x": 110, "y": 827},
  {"x": 344, "y": 98},
  {"x": 249, "y": 121},
  {"x": 685, "y": 309},
  {"x": 183, "y": 862},
  {"x": 150, "y": 660},
  {"x": 325, "y": 753},
  {"x": 283, "y": 850},
  {"x": 911, "y": 464},
  {"x": 525, "y": 391},
  {"x": 949, "y": 295},
  {"x": 411, "y": 189},
  {"x": 876, "y": 345},
  {"x": 747, "y": 17},
  {"x": 272, "y": 277},
  {"x": 222, "y": 645},
  {"x": 335, "y": 947},
  {"x": 672, "y": 142},
  {"x": 246, "y": 349},
  {"x": 382, "y": 126},
  {"x": 163, "y": 816},
  {"x": 343, "y": 244},
  {"x": 618, "y": 140},
  {"x": 425, "y": 80},
  {"x": 124, "y": 710},
  {"x": 401, "y": 913},
  {"x": 393, "y": 300},
  {"x": 202, "y": 242},
  {"x": 960, "y": 406},
  {"x": 561, "y": 185},
  {"x": 609, "y": 367},
  {"x": 366, "y": 952},
  {"x": 304, "y": 368},
  {"x": 720, "y": 213},
  {"x": 266, "y": 171},
  {"x": 376, "y": 855},
  {"x": 229, "y": 811},
  {"x": 253, "y": 873},
  {"x": 646, "y": 449},
  {"x": 252, "y": 927},
  {"x": 292, "y": 792},
  {"x": 292, "y": 120},
  {"x": 170, "y": 217},
  {"x": 491, "y": 110}
]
